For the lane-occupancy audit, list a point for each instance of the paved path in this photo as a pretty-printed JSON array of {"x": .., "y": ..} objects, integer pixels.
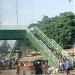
[{"x": 13, "y": 72}]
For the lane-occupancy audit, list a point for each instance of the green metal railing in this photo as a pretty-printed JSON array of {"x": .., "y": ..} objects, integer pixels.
[
  {"x": 62, "y": 51},
  {"x": 44, "y": 50},
  {"x": 51, "y": 43}
]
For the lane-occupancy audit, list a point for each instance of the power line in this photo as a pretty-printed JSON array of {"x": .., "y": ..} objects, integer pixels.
[
  {"x": 47, "y": 11},
  {"x": 8, "y": 11},
  {"x": 11, "y": 10},
  {"x": 19, "y": 9},
  {"x": 23, "y": 6}
]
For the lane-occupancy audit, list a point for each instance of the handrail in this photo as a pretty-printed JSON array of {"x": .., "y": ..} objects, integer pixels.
[
  {"x": 46, "y": 50},
  {"x": 12, "y": 51},
  {"x": 52, "y": 43},
  {"x": 63, "y": 52}
]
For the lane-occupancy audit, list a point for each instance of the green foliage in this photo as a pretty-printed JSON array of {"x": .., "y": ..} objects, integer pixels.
[
  {"x": 60, "y": 28},
  {"x": 4, "y": 47}
]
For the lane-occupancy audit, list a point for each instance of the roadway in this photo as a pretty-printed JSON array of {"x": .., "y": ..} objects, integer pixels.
[{"x": 13, "y": 72}]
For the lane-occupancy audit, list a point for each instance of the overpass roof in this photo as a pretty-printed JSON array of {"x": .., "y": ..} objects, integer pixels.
[{"x": 13, "y": 27}]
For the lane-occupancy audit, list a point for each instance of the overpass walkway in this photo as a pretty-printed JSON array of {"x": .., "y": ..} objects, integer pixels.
[{"x": 43, "y": 45}]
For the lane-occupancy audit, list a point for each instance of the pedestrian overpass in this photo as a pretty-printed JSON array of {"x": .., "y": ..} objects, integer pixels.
[
  {"x": 8, "y": 32},
  {"x": 43, "y": 44}
]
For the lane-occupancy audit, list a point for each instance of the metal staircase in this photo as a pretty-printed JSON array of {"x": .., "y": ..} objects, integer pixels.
[
  {"x": 44, "y": 50},
  {"x": 10, "y": 54},
  {"x": 51, "y": 43}
]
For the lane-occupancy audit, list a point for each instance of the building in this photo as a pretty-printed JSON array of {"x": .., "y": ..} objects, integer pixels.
[{"x": 71, "y": 51}]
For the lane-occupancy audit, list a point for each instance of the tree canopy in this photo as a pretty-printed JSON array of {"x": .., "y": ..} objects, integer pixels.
[
  {"x": 4, "y": 47},
  {"x": 60, "y": 28}
]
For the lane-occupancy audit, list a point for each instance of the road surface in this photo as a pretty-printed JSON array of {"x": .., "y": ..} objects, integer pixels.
[{"x": 13, "y": 72}]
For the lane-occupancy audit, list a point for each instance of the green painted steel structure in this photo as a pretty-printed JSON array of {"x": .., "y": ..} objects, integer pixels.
[
  {"x": 51, "y": 43},
  {"x": 44, "y": 50},
  {"x": 12, "y": 34},
  {"x": 20, "y": 34},
  {"x": 17, "y": 34},
  {"x": 10, "y": 54}
]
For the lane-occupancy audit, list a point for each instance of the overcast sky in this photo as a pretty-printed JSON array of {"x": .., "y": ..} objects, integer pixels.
[{"x": 31, "y": 11}]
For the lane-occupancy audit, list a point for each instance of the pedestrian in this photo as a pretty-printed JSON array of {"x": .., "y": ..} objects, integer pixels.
[
  {"x": 54, "y": 52},
  {"x": 0, "y": 64},
  {"x": 24, "y": 72},
  {"x": 4, "y": 65},
  {"x": 49, "y": 70},
  {"x": 17, "y": 69},
  {"x": 10, "y": 64},
  {"x": 63, "y": 66},
  {"x": 74, "y": 62},
  {"x": 43, "y": 68},
  {"x": 67, "y": 66}
]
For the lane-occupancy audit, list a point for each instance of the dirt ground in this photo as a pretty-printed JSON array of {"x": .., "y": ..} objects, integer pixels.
[{"x": 13, "y": 72}]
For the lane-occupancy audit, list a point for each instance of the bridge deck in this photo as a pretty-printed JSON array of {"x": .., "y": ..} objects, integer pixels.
[{"x": 8, "y": 32}]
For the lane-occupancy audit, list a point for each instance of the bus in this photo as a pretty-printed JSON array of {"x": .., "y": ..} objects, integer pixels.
[{"x": 33, "y": 65}]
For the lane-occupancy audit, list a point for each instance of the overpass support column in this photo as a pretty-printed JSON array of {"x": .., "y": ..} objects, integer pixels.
[{"x": 23, "y": 50}]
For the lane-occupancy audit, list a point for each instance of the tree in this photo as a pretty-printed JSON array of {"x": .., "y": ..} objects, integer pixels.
[
  {"x": 60, "y": 28},
  {"x": 4, "y": 47}
]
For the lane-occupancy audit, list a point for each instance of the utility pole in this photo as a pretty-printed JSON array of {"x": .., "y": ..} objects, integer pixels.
[
  {"x": 17, "y": 12},
  {"x": 17, "y": 24}
]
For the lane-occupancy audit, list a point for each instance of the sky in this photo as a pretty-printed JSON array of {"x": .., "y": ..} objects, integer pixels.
[{"x": 31, "y": 11}]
